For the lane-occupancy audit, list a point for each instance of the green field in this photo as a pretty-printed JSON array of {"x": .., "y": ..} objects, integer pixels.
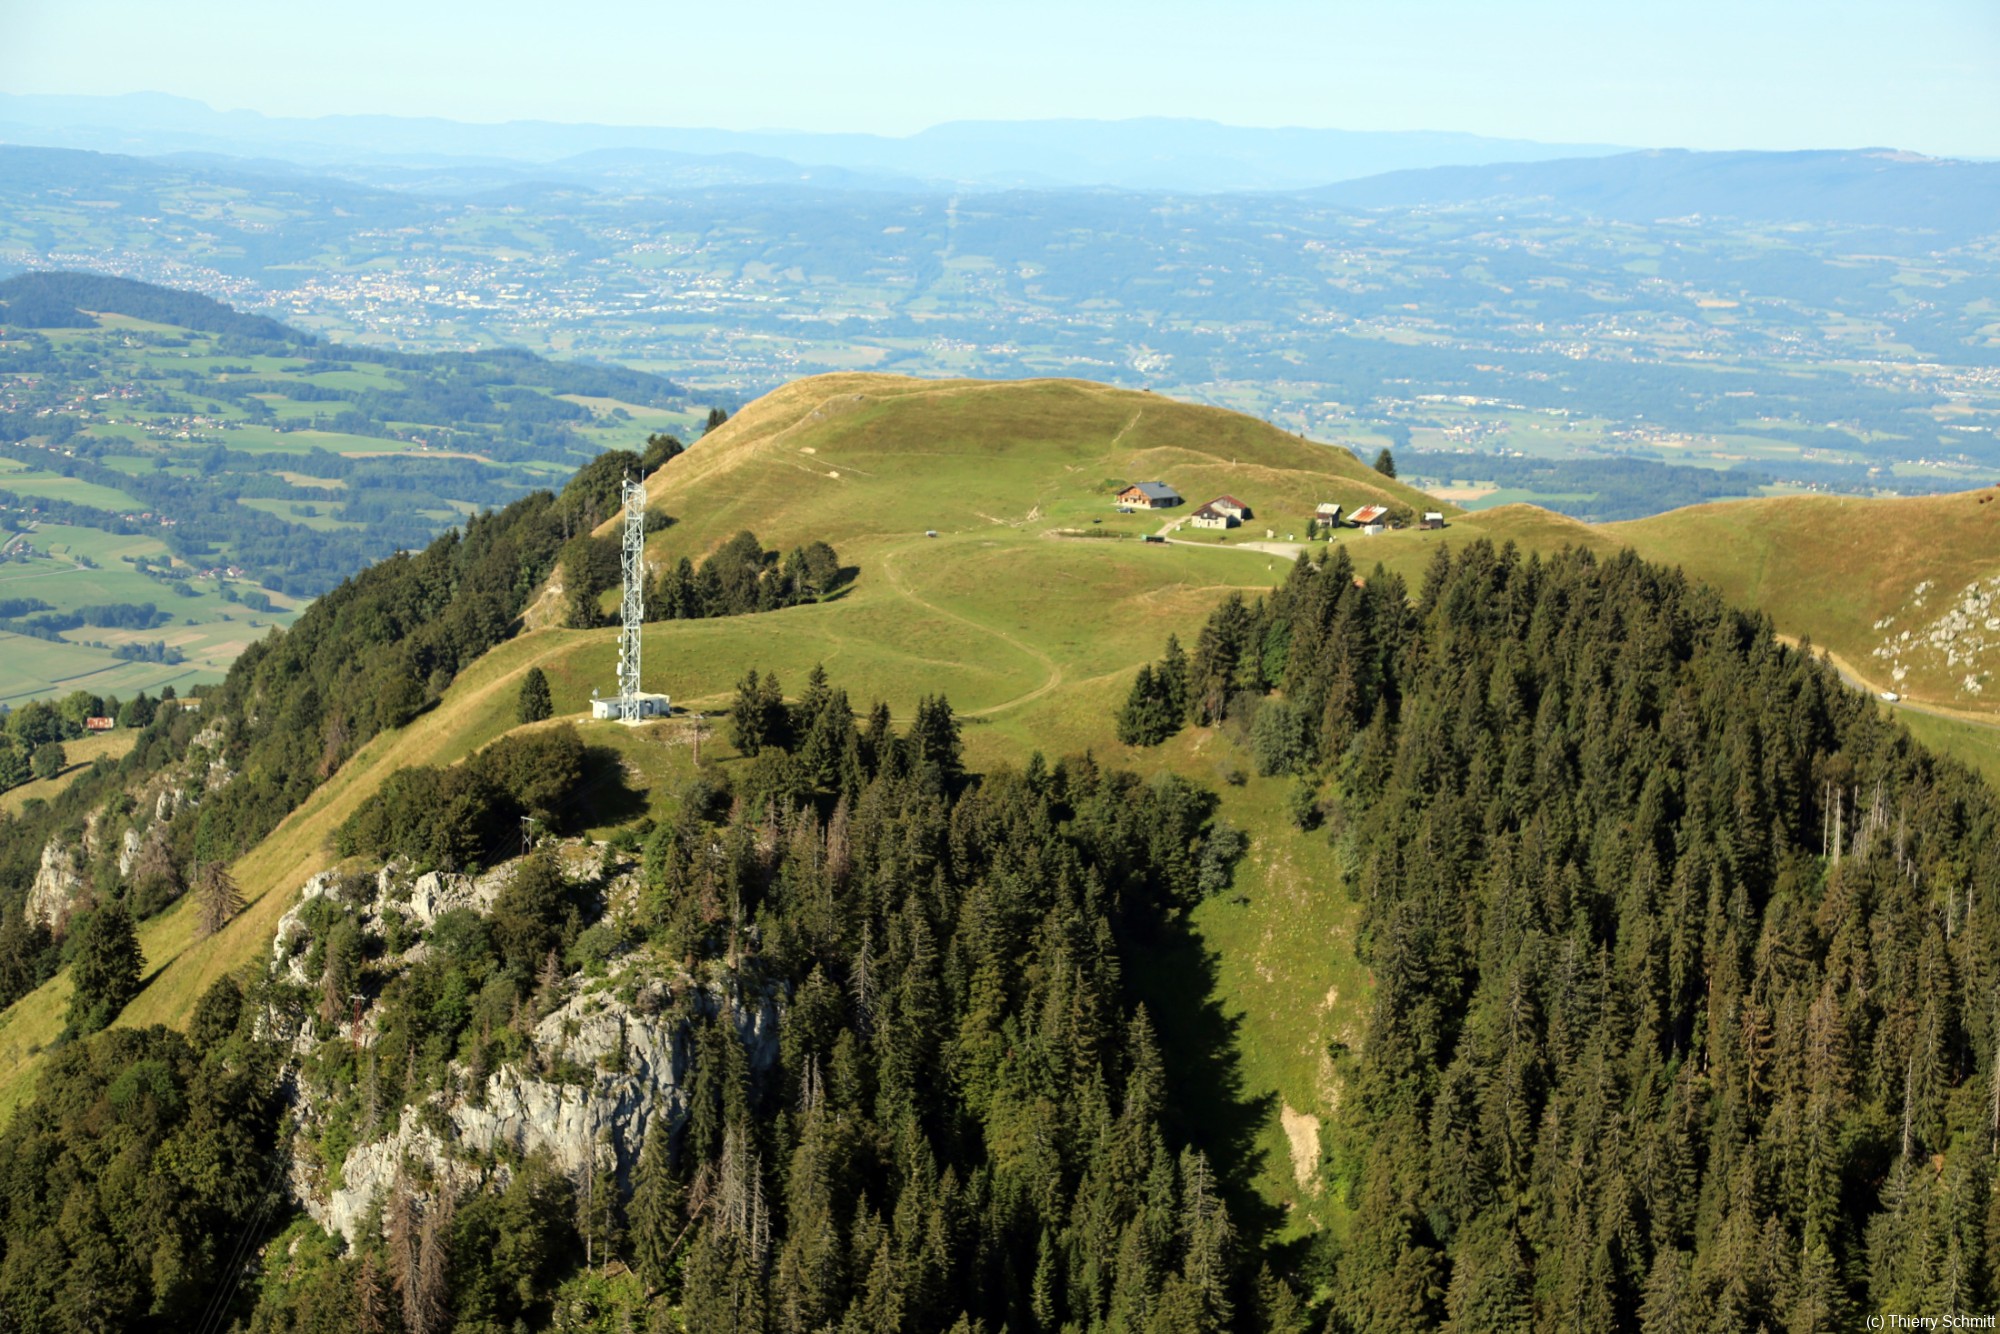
[
  {"x": 81, "y": 753},
  {"x": 35, "y": 483},
  {"x": 207, "y": 629}
]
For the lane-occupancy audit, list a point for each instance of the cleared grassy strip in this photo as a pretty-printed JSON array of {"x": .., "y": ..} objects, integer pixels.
[{"x": 35, "y": 484}]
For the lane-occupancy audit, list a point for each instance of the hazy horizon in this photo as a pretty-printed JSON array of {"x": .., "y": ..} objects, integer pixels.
[{"x": 1787, "y": 75}]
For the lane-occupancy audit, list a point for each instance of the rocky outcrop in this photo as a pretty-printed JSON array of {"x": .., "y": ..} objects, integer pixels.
[
  {"x": 58, "y": 883},
  {"x": 607, "y": 1066},
  {"x": 421, "y": 901},
  {"x": 635, "y": 1077},
  {"x": 128, "y": 851},
  {"x": 434, "y": 893},
  {"x": 1958, "y": 640}
]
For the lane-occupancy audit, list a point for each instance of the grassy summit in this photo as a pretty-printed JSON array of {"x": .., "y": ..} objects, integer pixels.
[{"x": 856, "y": 456}]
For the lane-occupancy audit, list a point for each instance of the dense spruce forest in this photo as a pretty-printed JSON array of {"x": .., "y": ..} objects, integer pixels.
[{"x": 1684, "y": 958}]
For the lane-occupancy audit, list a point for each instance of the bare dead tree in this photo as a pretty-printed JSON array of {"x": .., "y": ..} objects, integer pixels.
[{"x": 217, "y": 899}]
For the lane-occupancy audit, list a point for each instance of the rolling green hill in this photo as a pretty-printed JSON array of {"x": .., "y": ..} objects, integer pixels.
[
  {"x": 1032, "y": 635},
  {"x": 157, "y": 447},
  {"x": 1031, "y": 609}
]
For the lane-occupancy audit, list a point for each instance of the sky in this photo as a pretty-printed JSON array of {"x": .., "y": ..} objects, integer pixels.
[{"x": 1771, "y": 74}]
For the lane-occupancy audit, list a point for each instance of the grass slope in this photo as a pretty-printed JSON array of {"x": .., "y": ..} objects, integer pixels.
[{"x": 855, "y": 456}]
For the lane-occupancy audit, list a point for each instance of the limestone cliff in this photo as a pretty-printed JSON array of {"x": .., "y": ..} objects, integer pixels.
[
  {"x": 606, "y": 1065},
  {"x": 58, "y": 881}
]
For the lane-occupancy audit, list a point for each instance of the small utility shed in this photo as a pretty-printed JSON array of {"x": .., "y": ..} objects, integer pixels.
[
  {"x": 1368, "y": 515},
  {"x": 1328, "y": 513},
  {"x": 1433, "y": 519},
  {"x": 1149, "y": 496}
]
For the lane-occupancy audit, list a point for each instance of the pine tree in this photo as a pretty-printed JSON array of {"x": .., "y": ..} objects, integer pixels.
[
  {"x": 1207, "y": 1238},
  {"x": 746, "y": 715},
  {"x": 1138, "y": 721},
  {"x": 654, "y": 1219},
  {"x": 535, "y": 703},
  {"x": 426, "y": 1303},
  {"x": 1172, "y": 676},
  {"x": 933, "y": 739},
  {"x": 774, "y": 720},
  {"x": 818, "y": 694},
  {"x": 1385, "y": 463},
  {"x": 597, "y": 1212},
  {"x": 371, "y": 1298},
  {"x": 105, "y": 974}
]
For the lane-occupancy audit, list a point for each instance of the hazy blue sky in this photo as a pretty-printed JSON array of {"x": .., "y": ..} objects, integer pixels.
[{"x": 1920, "y": 74}]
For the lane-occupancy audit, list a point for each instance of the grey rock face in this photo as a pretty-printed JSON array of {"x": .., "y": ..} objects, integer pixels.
[
  {"x": 607, "y": 1066},
  {"x": 128, "y": 851},
  {"x": 58, "y": 881},
  {"x": 637, "y": 1078}
]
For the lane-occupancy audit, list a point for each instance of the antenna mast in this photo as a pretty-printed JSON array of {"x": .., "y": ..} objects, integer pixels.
[{"x": 633, "y": 607}]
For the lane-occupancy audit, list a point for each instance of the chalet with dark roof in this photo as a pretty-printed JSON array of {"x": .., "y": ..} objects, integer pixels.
[{"x": 1149, "y": 496}]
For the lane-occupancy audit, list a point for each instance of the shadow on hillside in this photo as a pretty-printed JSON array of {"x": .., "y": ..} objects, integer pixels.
[
  {"x": 843, "y": 584},
  {"x": 603, "y": 797},
  {"x": 1174, "y": 975}
]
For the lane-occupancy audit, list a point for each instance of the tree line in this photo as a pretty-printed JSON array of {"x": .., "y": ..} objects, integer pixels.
[{"x": 738, "y": 578}]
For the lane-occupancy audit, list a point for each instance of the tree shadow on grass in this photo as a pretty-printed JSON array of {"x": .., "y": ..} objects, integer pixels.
[
  {"x": 1174, "y": 975},
  {"x": 843, "y": 584},
  {"x": 603, "y": 797}
]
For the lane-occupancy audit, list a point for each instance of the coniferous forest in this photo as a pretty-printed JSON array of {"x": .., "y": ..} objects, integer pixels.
[
  {"x": 1683, "y": 1004},
  {"x": 1684, "y": 959}
]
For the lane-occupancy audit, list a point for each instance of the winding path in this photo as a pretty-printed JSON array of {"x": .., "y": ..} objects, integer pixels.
[{"x": 1055, "y": 677}]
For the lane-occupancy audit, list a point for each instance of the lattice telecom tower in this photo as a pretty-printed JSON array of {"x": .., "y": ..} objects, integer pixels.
[
  {"x": 632, "y": 704},
  {"x": 632, "y": 610}
]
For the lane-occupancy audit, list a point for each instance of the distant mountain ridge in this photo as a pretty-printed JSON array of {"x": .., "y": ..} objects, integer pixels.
[
  {"x": 1154, "y": 153},
  {"x": 1874, "y": 187}
]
